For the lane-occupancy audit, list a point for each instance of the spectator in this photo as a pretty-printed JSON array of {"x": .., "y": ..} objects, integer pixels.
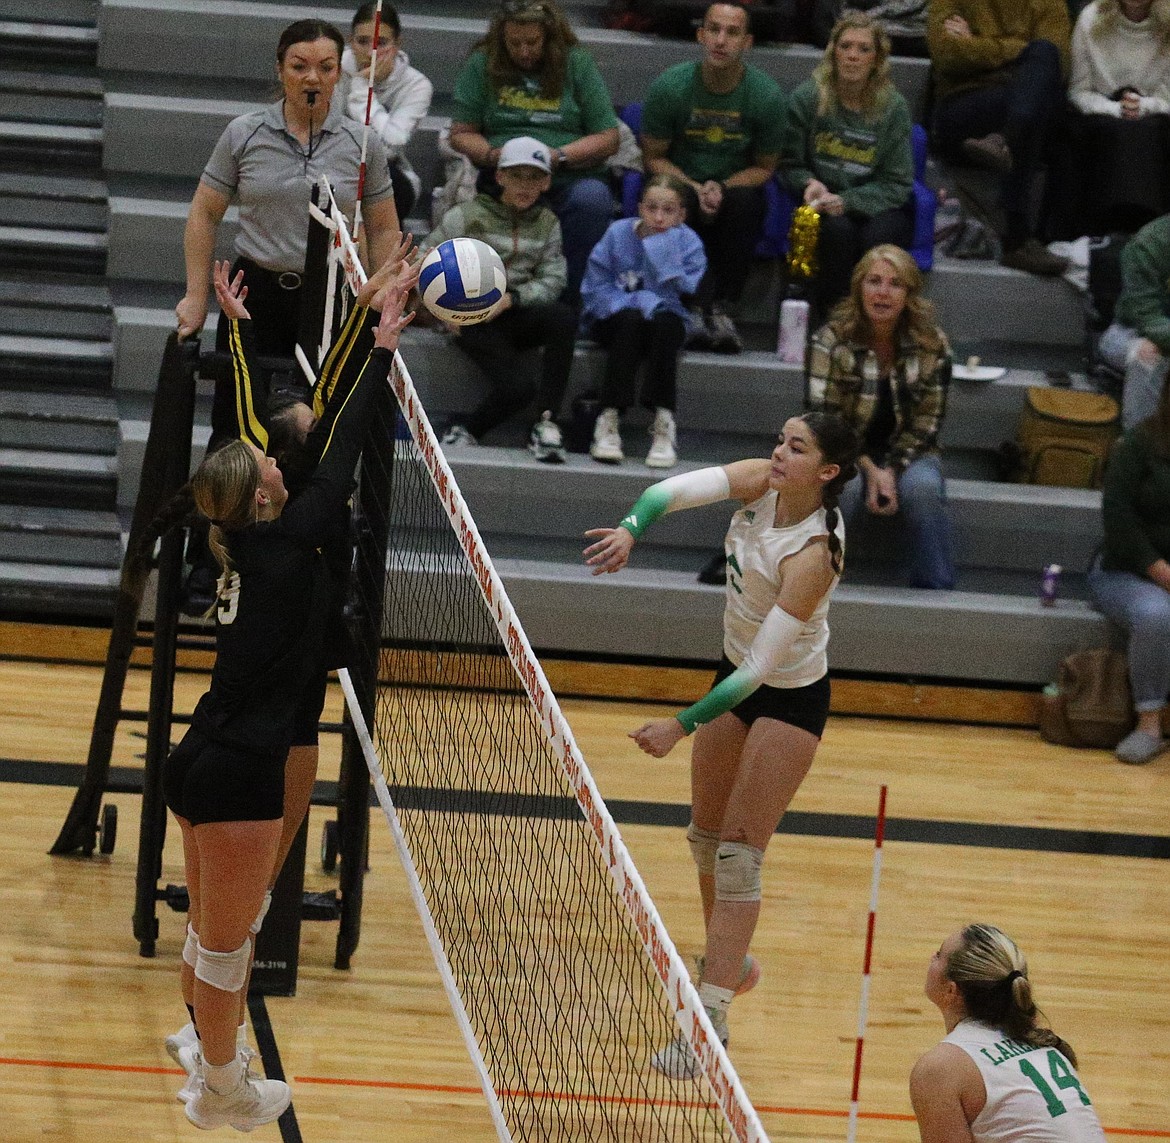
[
  {"x": 883, "y": 364},
  {"x": 847, "y": 152},
  {"x": 529, "y": 76},
  {"x": 998, "y": 67},
  {"x": 717, "y": 124},
  {"x": 266, "y": 161},
  {"x": 1118, "y": 140},
  {"x": 527, "y": 236},
  {"x": 639, "y": 278},
  {"x": 1138, "y": 341},
  {"x": 1130, "y": 581},
  {"x": 402, "y": 95}
]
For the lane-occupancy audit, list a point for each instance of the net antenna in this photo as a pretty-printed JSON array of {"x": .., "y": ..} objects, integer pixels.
[
  {"x": 361, "y": 186},
  {"x": 560, "y": 972}
]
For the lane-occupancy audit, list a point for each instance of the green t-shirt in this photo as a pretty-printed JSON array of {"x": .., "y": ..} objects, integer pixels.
[
  {"x": 584, "y": 107},
  {"x": 714, "y": 136},
  {"x": 866, "y": 160}
]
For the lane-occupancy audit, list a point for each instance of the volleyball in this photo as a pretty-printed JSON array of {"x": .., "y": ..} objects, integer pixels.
[{"x": 462, "y": 281}]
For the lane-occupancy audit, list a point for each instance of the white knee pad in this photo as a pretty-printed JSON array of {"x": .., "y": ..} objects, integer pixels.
[
  {"x": 703, "y": 843},
  {"x": 191, "y": 946},
  {"x": 254, "y": 928},
  {"x": 737, "y": 872},
  {"x": 226, "y": 971}
]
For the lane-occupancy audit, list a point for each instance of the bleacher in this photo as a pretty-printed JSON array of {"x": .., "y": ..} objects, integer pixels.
[{"x": 175, "y": 71}]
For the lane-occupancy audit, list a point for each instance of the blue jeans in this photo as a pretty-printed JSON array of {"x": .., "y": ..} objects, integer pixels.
[
  {"x": 1143, "y": 383},
  {"x": 1021, "y": 108},
  {"x": 585, "y": 208},
  {"x": 1142, "y": 608},
  {"x": 922, "y": 512}
]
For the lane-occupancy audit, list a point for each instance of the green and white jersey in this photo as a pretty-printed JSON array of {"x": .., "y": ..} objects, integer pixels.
[
  {"x": 1033, "y": 1094},
  {"x": 755, "y": 549}
]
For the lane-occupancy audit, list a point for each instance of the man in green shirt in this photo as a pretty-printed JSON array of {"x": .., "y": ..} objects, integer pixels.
[{"x": 716, "y": 125}]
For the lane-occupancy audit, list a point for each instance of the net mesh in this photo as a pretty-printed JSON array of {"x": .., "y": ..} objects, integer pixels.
[{"x": 566, "y": 1004}]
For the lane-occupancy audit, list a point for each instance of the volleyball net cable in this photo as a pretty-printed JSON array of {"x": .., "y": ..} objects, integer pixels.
[{"x": 561, "y": 975}]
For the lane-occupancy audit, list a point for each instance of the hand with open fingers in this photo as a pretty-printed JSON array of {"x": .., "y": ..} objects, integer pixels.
[
  {"x": 377, "y": 282},
  {"x": 394, "y": 320},
  {"x": 397, "y": 285},
  {"x": 230, "y": 292},
  {"x": 659, "y": 736},
  {"x": 611, "y": 550}
]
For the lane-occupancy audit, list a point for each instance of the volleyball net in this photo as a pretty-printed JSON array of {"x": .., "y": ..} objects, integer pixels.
[{"x": 561, "y": 975}]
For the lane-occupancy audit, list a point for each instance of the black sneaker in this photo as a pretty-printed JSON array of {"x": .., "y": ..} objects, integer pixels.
[{"x": 1033, "y": 257}]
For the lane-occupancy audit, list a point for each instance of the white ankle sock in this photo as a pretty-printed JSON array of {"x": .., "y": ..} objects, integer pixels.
[
  {"x": 717, "y": 1001},
  {"x": 224, "y": 1079},
  {"x": 242, "y": 1035}
]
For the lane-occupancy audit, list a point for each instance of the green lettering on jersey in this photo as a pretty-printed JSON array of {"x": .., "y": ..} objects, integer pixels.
[{"x": 1062, "y": 1076}]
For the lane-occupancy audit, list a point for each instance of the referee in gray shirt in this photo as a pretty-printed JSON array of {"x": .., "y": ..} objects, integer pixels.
[{"x": 267, "y": 161}]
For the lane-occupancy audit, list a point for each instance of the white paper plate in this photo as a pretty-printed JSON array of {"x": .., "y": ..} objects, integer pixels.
[{"x": 978, "y": 372}]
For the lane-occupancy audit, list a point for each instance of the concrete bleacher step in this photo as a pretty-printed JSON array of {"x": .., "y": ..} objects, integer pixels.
[
  {"x": 48, "y": 478},
  {"x": 36, "y": 308},
  {"x": 33, "y": 96},
  {"x": 656, "y": 613},
  {"x": 235, "y": 41},
  {"x": 1006, "y": 526},
  {"x": 63, "y": 536},
  {"x": 50, "y": 145},
  {"x": 64, "y": 422},
  {"x": 57, "y": 589},
  {"x": 74, "y": 41},
  {"x": 132, "y": 436},
  {"x": 54, "y": 362},
  {"x": 63, "y": 200},
  {"x": 54, "y": 250}
]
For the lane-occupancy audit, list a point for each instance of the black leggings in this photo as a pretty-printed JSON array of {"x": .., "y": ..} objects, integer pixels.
[{"x": 629, "y": 339}]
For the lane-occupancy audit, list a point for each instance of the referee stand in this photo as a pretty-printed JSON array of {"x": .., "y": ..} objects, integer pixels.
[{"x": 159, "y": 516}]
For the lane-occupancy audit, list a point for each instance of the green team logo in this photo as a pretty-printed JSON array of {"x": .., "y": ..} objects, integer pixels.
[{"x": 733, "y": 564}]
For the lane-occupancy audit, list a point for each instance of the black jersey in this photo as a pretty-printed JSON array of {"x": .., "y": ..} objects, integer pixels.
[{"x": 279, "y": 602}]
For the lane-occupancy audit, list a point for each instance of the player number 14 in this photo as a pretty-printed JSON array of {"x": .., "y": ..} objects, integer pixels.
[{"x": 1062, "y": 1076}]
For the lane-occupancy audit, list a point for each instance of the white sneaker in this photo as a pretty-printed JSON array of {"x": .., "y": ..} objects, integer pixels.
[
  {"x": 185, "y": 1037},
  {"x": 458, "y": 437},
  {"x": 191, "y": 1061},
  {"x": 544, "y": 442},
  {"x": 678, "y": 1060},
  {"x": 662, "y": 454},
  {"x": 253, "y": 1103},
  {"x": 607, "y": 438}
]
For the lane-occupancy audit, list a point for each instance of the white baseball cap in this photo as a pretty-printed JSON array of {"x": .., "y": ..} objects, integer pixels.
[{"x": 525, "y": 151}]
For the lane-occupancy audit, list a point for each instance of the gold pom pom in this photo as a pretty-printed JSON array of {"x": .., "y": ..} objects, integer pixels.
[{"x": 802, "y": 244}]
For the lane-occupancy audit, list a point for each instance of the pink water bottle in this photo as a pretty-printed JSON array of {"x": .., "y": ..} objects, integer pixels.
[{"x": 793, "y": 333}]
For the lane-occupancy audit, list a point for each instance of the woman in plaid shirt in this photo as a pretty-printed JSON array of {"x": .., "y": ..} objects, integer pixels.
[{"x": 883, "y": 364}]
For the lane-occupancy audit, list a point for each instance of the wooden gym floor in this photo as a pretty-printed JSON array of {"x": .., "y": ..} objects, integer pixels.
[{"x": 1066, "y": 850}]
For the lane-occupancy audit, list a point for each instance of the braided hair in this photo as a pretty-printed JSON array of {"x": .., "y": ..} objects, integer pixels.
[
  {"x": 839, "y": 445},
  {"x": 992, "y": 977}
]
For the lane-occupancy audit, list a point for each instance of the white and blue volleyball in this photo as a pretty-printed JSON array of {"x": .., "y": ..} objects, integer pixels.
[{"x": 462, "y": 281}]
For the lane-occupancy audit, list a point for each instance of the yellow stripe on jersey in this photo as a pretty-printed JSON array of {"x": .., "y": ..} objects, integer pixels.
[
  {"x": 336, "y": 358},
  {"x": 251, "y": 427}
]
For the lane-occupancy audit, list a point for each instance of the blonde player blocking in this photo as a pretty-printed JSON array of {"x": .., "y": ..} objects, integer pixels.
[{"x": 757, "y": 730}]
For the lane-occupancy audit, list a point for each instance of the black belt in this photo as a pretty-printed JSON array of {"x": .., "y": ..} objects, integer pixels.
[{"x": 285, "y": 279}]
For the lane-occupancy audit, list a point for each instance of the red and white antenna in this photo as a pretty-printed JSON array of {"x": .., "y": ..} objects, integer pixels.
[{"x": 863, "y": 1014}]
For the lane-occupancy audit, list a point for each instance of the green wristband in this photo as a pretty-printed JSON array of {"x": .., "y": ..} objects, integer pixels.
[{"x": 647, "y": 508}]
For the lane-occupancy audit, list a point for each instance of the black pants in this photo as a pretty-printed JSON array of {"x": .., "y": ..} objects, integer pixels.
[
  {"x": 844, "y": 238},
  {"x": 1021, "y": 102},
  {"x": 631, "y": 339},
  {"x": 1109, "y": 174},
  {"x": 495, "y": 347},
  {"x": 729, "y": 239},
  {"x": 404, "y": 196}
]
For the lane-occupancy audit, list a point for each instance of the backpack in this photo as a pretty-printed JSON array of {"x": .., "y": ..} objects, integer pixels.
[
  {"x": 1090, "y": 704},
  {"x": 1064, "y": 437}
]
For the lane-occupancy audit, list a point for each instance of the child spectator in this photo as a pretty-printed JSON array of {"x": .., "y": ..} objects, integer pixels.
[
  {"x": 527, "y": 236},
  {"x": 639, "y": 280},
  {"x": 402, "y": 95}
]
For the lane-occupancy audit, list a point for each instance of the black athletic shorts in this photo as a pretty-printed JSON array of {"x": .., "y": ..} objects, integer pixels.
[
  {"x": 804, "y": 707},
  {"x": 206, "y": 782}
]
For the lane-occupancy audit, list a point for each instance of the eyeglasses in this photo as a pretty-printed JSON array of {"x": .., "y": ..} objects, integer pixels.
[{"x": 513, "y": 9}]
